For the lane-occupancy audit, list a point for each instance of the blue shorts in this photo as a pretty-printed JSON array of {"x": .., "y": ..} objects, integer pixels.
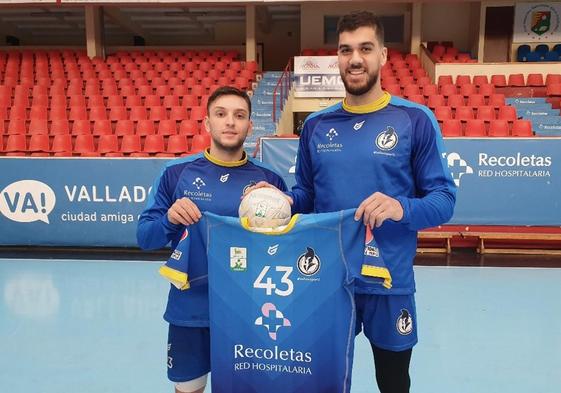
[
  {"x": 389, "y": 321},
  {"x": 188, "y": 353}
]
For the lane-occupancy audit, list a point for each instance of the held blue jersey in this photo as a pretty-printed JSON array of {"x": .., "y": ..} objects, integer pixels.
[
  {"x": 392, "y": 146},
  {"x": 213, "y": 185},
  {"x": 282, "y": 303}
]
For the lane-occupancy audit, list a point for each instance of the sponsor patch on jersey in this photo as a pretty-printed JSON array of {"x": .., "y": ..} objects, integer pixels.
[
  {"x": 238, "y": 259},
  {"x": 404, "y": 323},
  {"x": 273, "y": 249},
  {"x": 176, "y": 255},
  {"x": 371, "y": 251},
  {"x": 387, "y": 139},
  {"x": 308, "y": 263}
]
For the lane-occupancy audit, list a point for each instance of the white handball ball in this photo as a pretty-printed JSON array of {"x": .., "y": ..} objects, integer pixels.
[{"x": 265, "y": 208}]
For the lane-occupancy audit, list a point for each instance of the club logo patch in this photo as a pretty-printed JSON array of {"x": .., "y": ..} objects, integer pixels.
[
  {"x": 404, "y": 323},
  {"x": 387, "y": 139},
  {"x": 308, "y": 263}
]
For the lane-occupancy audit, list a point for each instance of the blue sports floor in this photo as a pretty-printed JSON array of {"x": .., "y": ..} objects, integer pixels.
[{"x": 95, "y": 326}]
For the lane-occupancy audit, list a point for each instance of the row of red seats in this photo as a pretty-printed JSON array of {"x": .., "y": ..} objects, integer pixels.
[
  {"x": 475, "y": 100},
  {"x": 198, "y": 89},
  {"x": 80, "y": 112},
  {"x": 105, "y": 145},
  {"x": 120, "y": 71},
  {"x": 162, "y": 53},
  {"x": 480, "y": 128},
  {"x": 514, "y": 80},
  {"x": 446, "y": 90},
  {"x": 154, "y": 81},
  {"x": 41, "y": 101},
  {"x": 485, "y": 113},
  {"x": 104, "y": 127}
]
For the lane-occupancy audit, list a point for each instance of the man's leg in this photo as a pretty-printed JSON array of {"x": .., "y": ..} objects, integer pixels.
[
  {"x": 392, "y": 370},
  {"x": 390, "y": 324},
  {"x": 188, "y": 358}
]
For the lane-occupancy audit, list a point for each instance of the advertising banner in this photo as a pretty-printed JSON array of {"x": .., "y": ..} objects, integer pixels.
[
  {"x": 500, "y": 181},
  {"x": 317, "y": 76},
  {"x": 537, "y": 22},
  {"x": 74, "y": 202}
]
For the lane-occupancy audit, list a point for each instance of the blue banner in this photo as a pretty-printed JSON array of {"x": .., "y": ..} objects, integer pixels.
[
  {"x": 73, "y": 201},
  {"x": 500, "y": 181}
]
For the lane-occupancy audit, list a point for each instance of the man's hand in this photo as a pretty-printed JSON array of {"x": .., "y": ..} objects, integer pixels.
[
  {"x": 377, "y": 208},
  {"x": 263, "y": 184},
  {"x": 184, "y": 211}
]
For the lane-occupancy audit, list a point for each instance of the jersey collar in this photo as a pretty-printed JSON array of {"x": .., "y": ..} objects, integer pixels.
[
  {"x": 281, "y": 231},
  {"x": 380, "y": 103},
  {"x": 216, "y": 161}
]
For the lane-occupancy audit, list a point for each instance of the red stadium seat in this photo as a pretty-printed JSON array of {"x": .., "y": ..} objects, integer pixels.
[
  {"x": 145, "y": 127},
  {"x": 443, "y": 113},
  {"x": 115, "y": 100},
  {"x": 462, "y": 80},
  {"x": 430, "y": 90},
  {"x": 108, "y": 144},
  {"x": 394, "y": 90},
  {"x": 464, "y": 113},
  {"x": 17, "y": 126},
  {"x": 486, "y": 113},
  {"x": 197, "y": 113},
  {"x": 535, "y": 80},
  {"x": 170, "y": 101},
  {"x": 138, "y": 113},
  {"x": 410, "y": 90},
  {"x": 552, "y": 79},
  {"x": 84, "y": 144},
  {"x": 498, "y": 128},
  {"x": 475, "y": 128},
  {"x": 448, "y": 90},
  {"x": 102, "y": 127},
  {"x": 468, "y": 89},
  {"x": 553, "y": 90},
  {"x": 516, "y": 80},
  {"x": 189, "y": 127},
  {"x": 507, "y": 113},
  {"x": 124, "y": 127},
  {"x": 18, "y": 113},
  {"x": 445, "y": 80},
  {"x": 16, "y": 143},
  {"x": 476, "y": 100},
  {"x": 418, "y": 98},
  {"x": 479, "y": 80},
  {"x": 167, "y": 127},
  {"x": 152, "y": 100},
  {"x": 39, "y": 143},
  {"x": 131, "y": 144},
  {"x": 81, "y": 127},
  {"x": 177, "y": 144},
  {"x": 451, "y": 128},
  {"x": 59, "y": 127},
  {"x": 98, "y": 113},
  {"x": 198, "y": 143},
  {"x": 154, "y": 144},
  {"x": 522, "y": 128},
  {"x": 118, "y": 113},
  {"x": 456, "y": 100},
  {"x": 498, "y": 80},
  {"x": 38, "y": 126},
  {"x": 487, "y": 89},
  {"x": 497, "y": 100},
  {"x": 62, "y": 145},
  {"x": 158, "y": 113},
  {"x": 178, "y": 113}
]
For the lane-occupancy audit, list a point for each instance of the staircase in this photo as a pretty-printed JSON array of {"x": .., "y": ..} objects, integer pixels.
[{"x": 546, "y": 121}]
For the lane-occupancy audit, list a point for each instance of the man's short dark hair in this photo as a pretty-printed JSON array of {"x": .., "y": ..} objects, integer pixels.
[
  {"x": 354, "y": 20},
  {"x": 228, "y": 91}
]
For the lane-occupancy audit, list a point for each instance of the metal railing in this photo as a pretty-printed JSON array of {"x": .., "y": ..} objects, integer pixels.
[{"x": 282, "y": 89}]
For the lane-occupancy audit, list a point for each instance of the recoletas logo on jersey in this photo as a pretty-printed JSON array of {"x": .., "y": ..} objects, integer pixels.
[
  {"x": 272, "y": 319},
  {"x": 199, "y": 183},
  {"x": 404, "y": 323},
  {"x": 387, "y": 139},
  {"x": 238, "y": 259},
  {"x": 308, "y": 263}
]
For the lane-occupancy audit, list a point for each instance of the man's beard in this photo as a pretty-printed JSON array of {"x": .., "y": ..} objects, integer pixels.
[
  {"x": 230, "y": 148},
  {"x": 361, "y": 89}
]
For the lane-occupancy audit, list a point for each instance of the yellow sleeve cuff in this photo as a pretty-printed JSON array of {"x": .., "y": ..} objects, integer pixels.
[
  {"x": 179, "y": 279},
  {"x": 376, "y": 271}
]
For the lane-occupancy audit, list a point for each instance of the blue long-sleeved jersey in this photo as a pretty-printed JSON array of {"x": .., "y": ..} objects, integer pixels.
[
  {"x": 213, "y": 185},
  {"x": 392, "y": 146}
]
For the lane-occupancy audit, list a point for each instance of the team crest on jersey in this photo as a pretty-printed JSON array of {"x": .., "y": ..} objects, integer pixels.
[
  {"x": 224, "y": 178},
  {"x": 199, "y": 183},
  {"x": 273, "y": 249},
  {"x": 404, "y": 323},
  {"x": 238, "y": 259},
  {"x": 358, "y": 125},
  {"x": 308, "y": 263},
  {"x": 387, "y": 139},
  {"x": 251, "y": 184},
  {"x": 272, "y": 319},
  {"x": 332, "y": 133}
]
